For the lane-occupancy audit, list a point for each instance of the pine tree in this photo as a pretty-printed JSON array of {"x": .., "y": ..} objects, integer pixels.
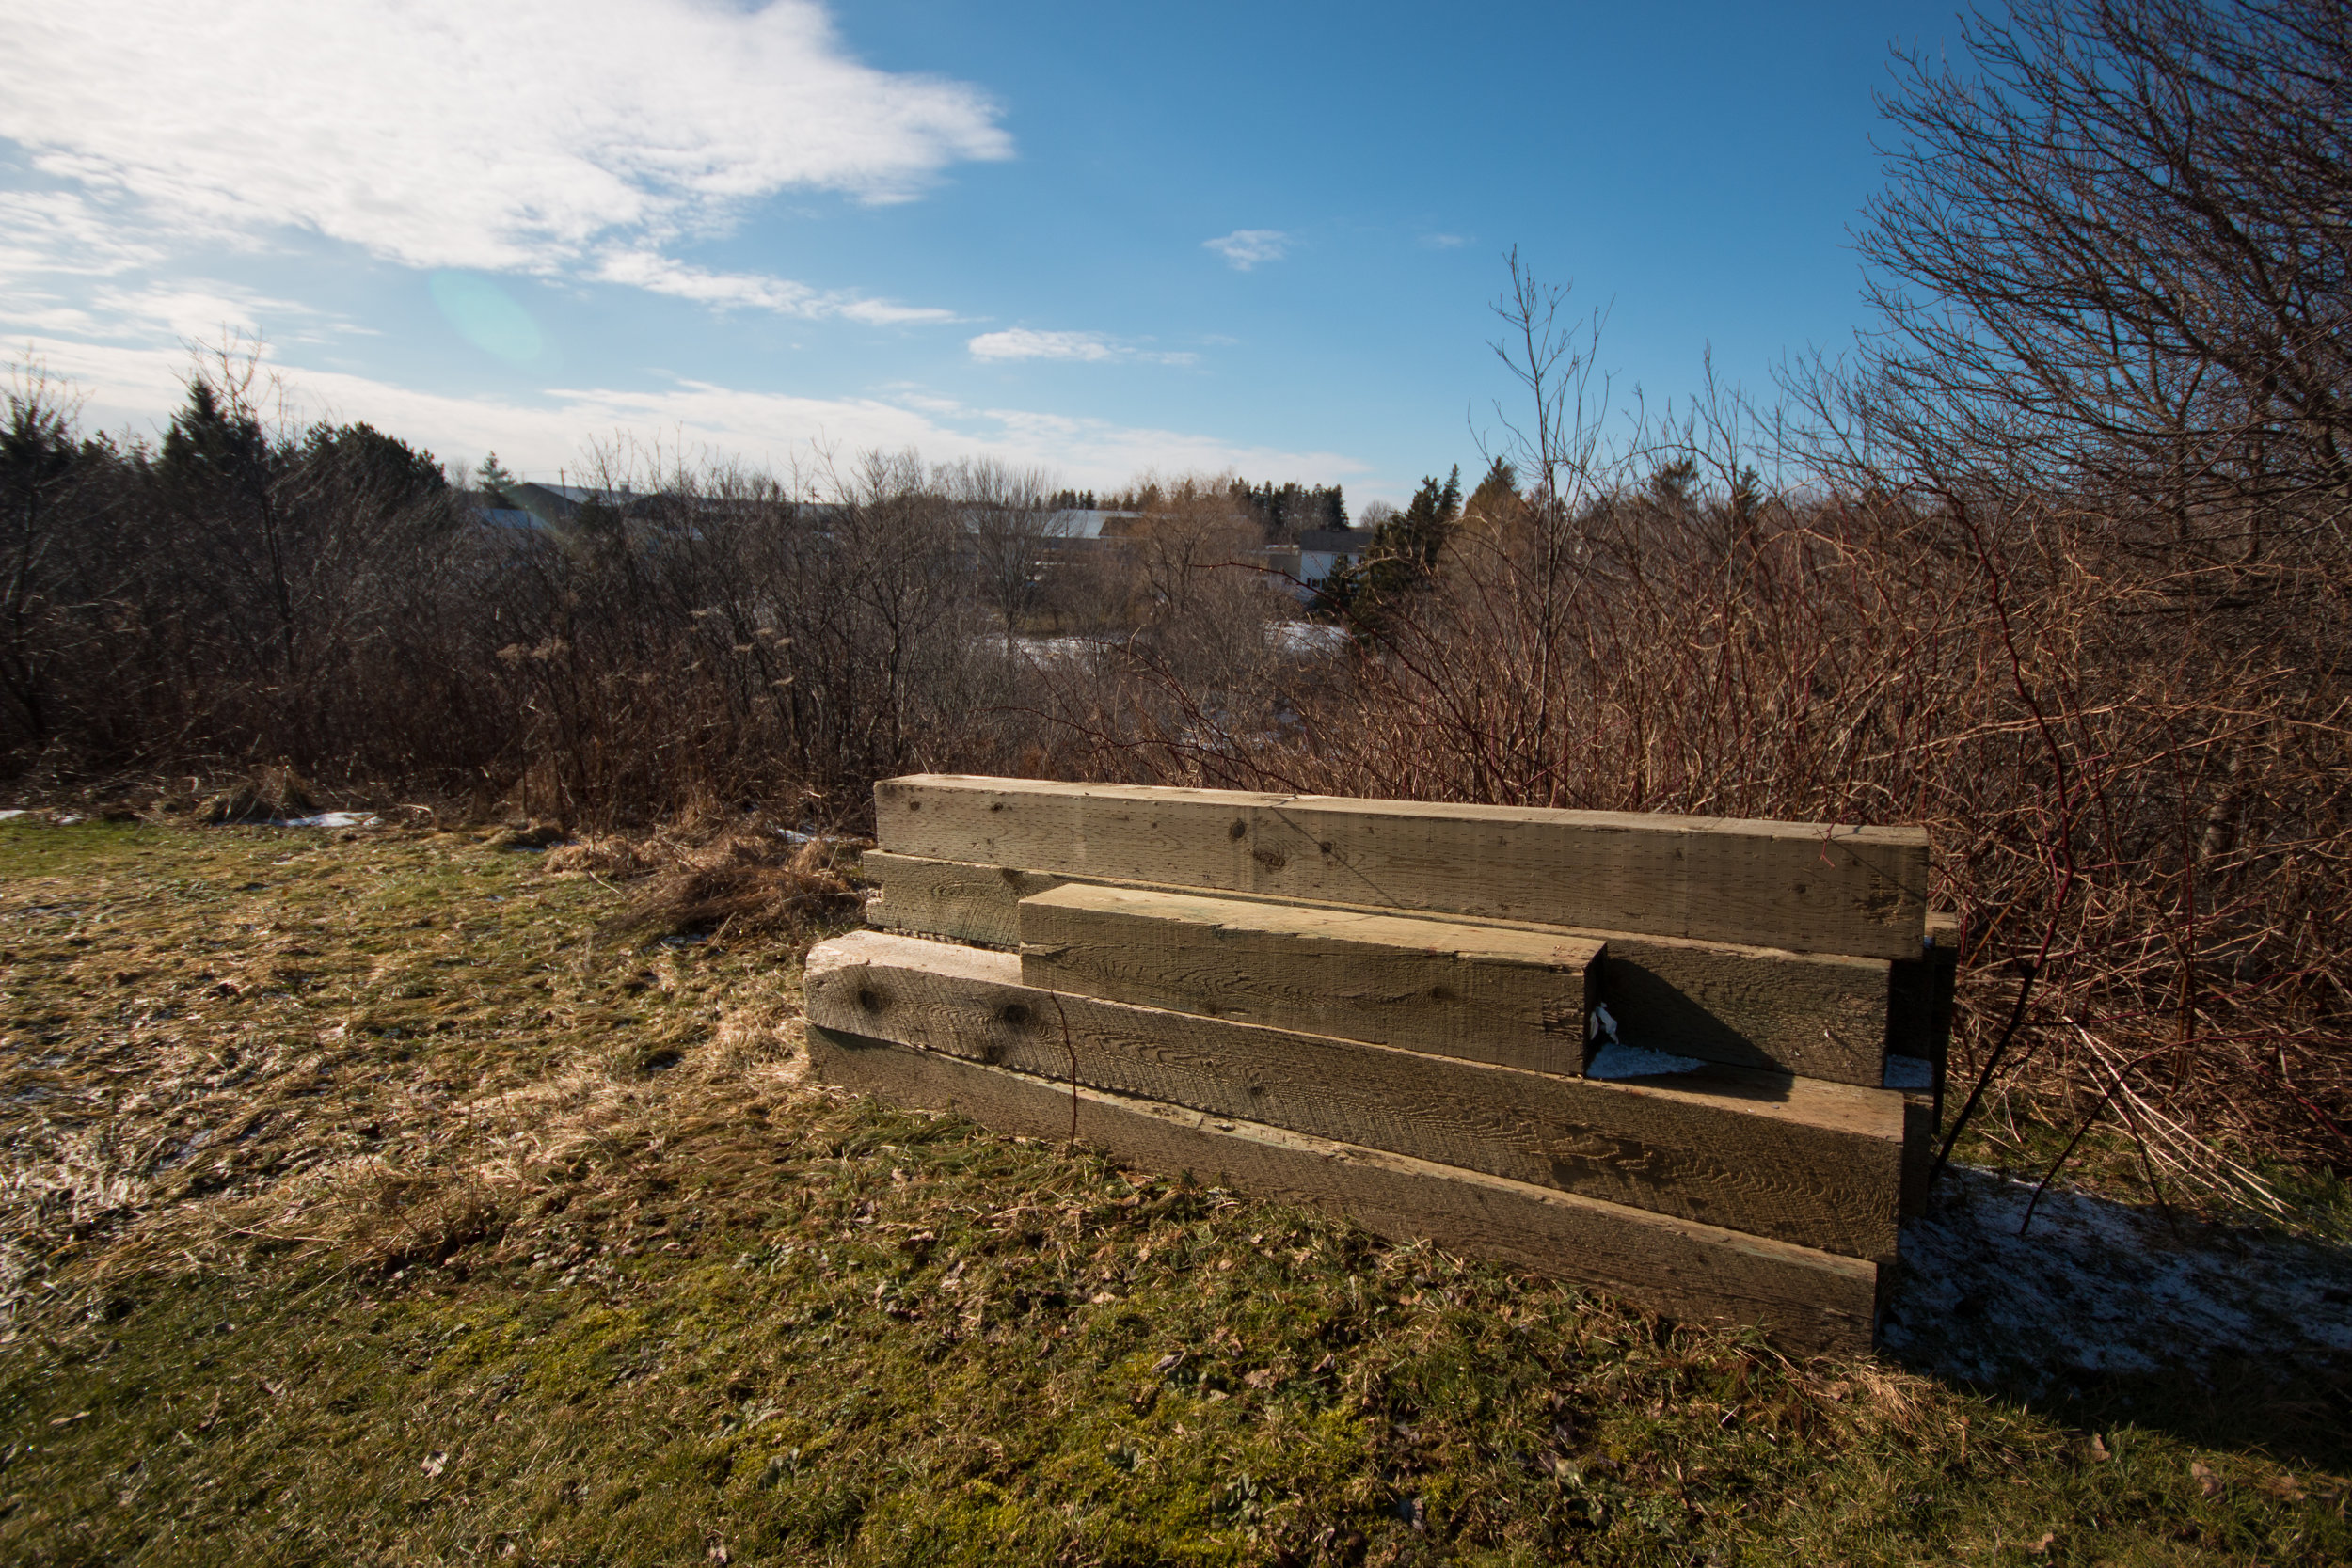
[
  {"x": 1402, "y": 559},
  {"x": 495, "y": 480},
  {"x": 215, "y": 452}
]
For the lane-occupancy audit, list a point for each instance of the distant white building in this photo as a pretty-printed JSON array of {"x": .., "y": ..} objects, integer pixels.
[
  {"x": 1324, "y": 550},
  {"x": 1319, "y": 553}
]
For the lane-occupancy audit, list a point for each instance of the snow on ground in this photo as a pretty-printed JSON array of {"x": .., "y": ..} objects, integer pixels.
[
  {"x": 1613, "y": 1060},
  {"x": 1909, "y": 1072},
  {"x": 1307, "y": 637},
  {"x": 2096, "y": 1286}
]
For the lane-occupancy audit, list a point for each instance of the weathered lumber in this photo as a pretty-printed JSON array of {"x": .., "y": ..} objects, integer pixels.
[
  {"x": 1482, "y": 994},
  {"x": 954, "y": 899},
  {"x": 1801, "y": 1161},
  {"x": 1809, "y": 1301},
  {"x": 1853, "y": 890},
  {"x": 1814, "y": 1014}
]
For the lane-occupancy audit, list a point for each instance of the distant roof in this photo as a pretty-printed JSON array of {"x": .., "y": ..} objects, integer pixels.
[
  {"x": 509, "y": 516},
  {"x": 1335, "y": 540},
  {"x": 1082, "y": 523}
]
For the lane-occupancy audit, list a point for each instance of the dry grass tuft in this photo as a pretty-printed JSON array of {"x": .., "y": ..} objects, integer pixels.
[
  {"x": 740, "y": 886},
  {"x": 612, "y": 857},
  {"x": 270, "y": 793}
]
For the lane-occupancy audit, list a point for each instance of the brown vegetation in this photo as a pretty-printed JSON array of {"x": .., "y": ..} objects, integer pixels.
[{"x": 2057, "y": 569}]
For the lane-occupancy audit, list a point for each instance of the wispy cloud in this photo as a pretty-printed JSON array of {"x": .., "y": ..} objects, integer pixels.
[
  {"x": 1445, "y": 241},
  {"x": 61, "y": 232},
  {"x": 1245, "y": 248},
  {"x": 532, "y": 136},
  {"x": 539, "y": 437},
  {"x": 189, "y": 310},
  {"x": 661, "y": 275},
  {"x": 1021, "y": 342}
]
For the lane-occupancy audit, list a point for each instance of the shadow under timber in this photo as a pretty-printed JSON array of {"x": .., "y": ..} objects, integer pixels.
[{"x": 2104, "y": 1313}]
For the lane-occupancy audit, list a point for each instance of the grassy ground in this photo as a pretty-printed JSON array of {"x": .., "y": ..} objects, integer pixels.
[{"x": 369, "y": 1199}]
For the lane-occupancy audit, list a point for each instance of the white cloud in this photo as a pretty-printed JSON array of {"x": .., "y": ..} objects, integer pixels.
[
  {"x": 659, "y": 275},
  {"x": 1445, "y": 241},
  {"x": 519, "y": 136},
  {"x": 1021, "y": 342},
  {"x": 189, "y": 310},
  {"x": 1244, "y": 248},
  {"x": 59, "y": 232},
  {"x": 138, "y": 387}
]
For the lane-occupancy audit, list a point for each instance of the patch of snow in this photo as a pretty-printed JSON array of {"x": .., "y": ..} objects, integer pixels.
[
  {"x": 71, "y": 819},
  {"x": 1631, "y": 1061},
  {"x": 329, "y": 819},
  {"x": 1307, "y": 637},
  {"x": 2096, "y": 1286},
  {"x": 1909, "y": 1072},
  {"x": 12, "y": 815},
  {"x": 1049, "y": 650}
]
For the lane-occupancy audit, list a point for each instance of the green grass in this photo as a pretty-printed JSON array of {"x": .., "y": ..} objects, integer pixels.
[{"x": 369, "y": 1202}]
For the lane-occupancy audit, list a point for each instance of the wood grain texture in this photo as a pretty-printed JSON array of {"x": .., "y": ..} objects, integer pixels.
[
  {"x": 1808, "y": 1302},
  {"x": 1817, "y": 1015},
  {"x": 955, "y": 899},
  {"x": 1482, "y": 994},
  {"x": 1816, "y": 1163},
  {"x": 1858, "y": 891}
]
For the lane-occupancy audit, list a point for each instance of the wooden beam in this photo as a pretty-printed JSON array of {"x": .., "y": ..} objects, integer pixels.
[
  {"x": 1812, "y": 1162},
  {"x": 1858, "y": 891},
  {"x": 1816, "y": 1015},
  {"x": 1809, "y": 1301},
  {"x": 955, "y": 899},
  {"x": 1482, "y": 994}
]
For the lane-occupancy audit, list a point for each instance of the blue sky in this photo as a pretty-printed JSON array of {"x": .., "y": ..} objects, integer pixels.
[{"x": 1086, "y": 238}]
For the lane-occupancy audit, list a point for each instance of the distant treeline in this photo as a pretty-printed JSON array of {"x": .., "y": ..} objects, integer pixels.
[
  {"x": 322, "y": 599},
  {"x": 1283, "y": 510}
]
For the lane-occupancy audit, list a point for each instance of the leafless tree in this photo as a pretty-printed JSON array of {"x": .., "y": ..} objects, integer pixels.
[
  {"x": 2118, "y": 252},
  {"x": 1006, "y": 515}
]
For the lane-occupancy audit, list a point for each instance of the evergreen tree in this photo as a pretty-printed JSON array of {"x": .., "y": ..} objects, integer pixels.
[
  {"x": 38, "y": 458},
  {"x": 220, "y": 472},
  {"x": 1402, "y": 559},
  {"x": 215, "y": 452},
  {"x": 1496, "y": 501},
  {"x": 495, "y": 480}
]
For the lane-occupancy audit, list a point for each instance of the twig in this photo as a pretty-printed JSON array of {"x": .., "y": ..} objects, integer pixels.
[
  {"x": 1070, "y": 1046},
  {"x": 1992, "y": 1062}
]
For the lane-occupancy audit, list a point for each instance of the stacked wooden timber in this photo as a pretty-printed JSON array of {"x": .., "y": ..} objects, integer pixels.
[{"x": 1690, "y": 1060}]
